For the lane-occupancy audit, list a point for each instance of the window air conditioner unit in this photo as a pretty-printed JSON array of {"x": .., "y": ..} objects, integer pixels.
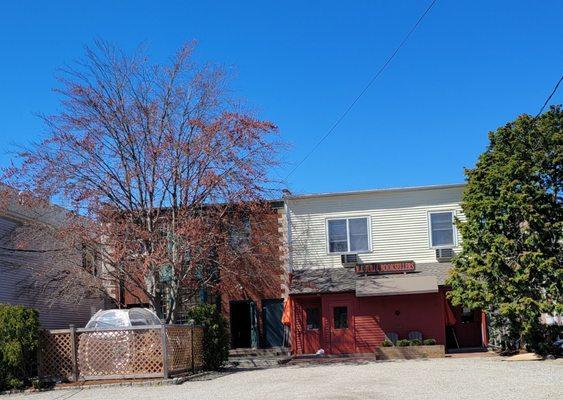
[
  {"x": 443, "y": 255},
  {"x": 349, "y": 259}
]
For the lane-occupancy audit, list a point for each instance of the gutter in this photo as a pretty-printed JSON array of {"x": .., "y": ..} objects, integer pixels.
[{"x": 375, "y": 191}]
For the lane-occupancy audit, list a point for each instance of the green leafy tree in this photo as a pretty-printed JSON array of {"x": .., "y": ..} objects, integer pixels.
[
  {"x": 216, "y": 335},
  {"x": 19, "y": 330},
  {"x": 511, "y": 259}
]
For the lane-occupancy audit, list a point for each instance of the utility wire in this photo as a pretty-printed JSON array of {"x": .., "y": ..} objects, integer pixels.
[
  {"x": 365, "y": 89},
  {"x": 550, "y": 96}
]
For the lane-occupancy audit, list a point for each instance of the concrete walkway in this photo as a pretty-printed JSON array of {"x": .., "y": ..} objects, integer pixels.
[{"x": 471, "y": 378}]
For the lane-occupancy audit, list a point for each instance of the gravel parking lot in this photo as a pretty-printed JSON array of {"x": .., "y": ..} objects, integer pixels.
[{"x": 475, "y": 378}]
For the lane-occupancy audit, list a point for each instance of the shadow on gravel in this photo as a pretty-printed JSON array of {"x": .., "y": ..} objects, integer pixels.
[
  {"x": 220, "y": 373},
  {"x": 340, "y": 362}
]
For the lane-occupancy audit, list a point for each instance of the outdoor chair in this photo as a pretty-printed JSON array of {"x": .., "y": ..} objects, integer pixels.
[
  {"x": 392, "y": 337},
  {"x": 415, "y": 335}
]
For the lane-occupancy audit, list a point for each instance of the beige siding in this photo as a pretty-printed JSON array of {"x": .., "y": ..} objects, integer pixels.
[
  {"x": 16, "y": 283},
  {"x": 399, "y": 224}
]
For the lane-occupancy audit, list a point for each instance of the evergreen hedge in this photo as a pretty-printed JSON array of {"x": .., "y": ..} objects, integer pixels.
[
  {"x": 216, "y": 335},
  {"x": 19, "y": 331}
]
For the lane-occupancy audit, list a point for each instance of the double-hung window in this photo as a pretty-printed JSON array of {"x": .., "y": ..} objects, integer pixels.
[
  {"x": 240, "y": 234},
  {"x": 348, "y": 235},
  {"x": 442, "y": 232}
]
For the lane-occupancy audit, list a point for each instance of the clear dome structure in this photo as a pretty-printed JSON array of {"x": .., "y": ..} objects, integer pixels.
[{"x": 119, "y": 318}]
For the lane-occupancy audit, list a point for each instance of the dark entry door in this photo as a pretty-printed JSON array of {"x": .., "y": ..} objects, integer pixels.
[
  {"x": 253, "y": 325},
  {"x": 273, "y": 328},
  {"x": 243, "y": 324},
  {"x": 468, "y": 333},
  {"x": 341, "y": 328}
]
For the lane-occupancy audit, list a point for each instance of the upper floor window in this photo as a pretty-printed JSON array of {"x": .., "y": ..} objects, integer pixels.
[
  {"x": 89, "y": 259},
  {"x": 348, "y": 235},
  {"x": 442, "y": 229},
  {"x": 239, "y": 233}
]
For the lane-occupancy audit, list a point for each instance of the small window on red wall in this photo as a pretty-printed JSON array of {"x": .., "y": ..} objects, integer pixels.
[
  {"x": 340, "y": 316},
  {"x": 467, "y": 315},
  {"x": 313, "y": 318}
]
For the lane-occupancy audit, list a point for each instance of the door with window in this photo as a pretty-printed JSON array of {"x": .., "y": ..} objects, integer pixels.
[
  {"x": 312, "y": 328},
  {"x": 467, "y": 328},
  {"x": 341, "y": 328}
]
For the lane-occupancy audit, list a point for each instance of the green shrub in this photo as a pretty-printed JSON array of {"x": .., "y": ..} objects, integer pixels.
[
  {"x": 429, "y": 342},
  {"x": 14, "y": 383},
  {"x": 216, "y": 335},
  {"x": 415, "y": 342},
  {"x": 19, "y": 331},
  {"x": 386, "y": 343},
  {"x": 403, "y": 343}
]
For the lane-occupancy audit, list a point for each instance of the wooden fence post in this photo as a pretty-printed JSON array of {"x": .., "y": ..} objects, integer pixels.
[
  {"x": 192, "y": 328},
  {"x": 73, "y": 350},
  {"x": 40, "y": 346},
  {"x": 164, "y": 352}
]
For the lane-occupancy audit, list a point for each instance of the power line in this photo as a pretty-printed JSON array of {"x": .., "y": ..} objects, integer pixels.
[
  {"x": 365, "y": 89},
  {"x": 550, "y": 96}
]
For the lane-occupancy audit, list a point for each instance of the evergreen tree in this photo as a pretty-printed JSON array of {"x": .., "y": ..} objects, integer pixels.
[{"x": 512, "y": 250}]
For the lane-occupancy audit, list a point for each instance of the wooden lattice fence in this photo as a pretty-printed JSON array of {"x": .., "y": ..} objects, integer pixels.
[
  {"x": 181, "y": 345},
  {"x": 135, "y": 352},
  {"x": 55, "y": 355}
]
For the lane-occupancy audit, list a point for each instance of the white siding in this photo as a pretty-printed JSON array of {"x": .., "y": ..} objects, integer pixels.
[{"x": 399, "y": 224}]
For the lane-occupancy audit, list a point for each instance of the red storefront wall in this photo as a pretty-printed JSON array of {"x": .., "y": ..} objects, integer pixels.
[{"x": 369, "y": 318}]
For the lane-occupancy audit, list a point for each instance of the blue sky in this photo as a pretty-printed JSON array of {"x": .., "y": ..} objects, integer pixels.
[{"x": 469, "y": 68}]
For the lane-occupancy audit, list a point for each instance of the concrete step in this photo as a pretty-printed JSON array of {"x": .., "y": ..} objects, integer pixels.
[
  {"x": 333, "y": 356},
  {"x": 245, "y": 362}
]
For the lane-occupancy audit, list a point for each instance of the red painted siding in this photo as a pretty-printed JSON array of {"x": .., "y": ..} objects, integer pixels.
[
  {"x": 298, "y": 328},
  {"x": 372, "y": 317},
  {"x": 484, "y": 333},
  {"x": 368, "y": 333},
  {"x": 400, "y": 314}
]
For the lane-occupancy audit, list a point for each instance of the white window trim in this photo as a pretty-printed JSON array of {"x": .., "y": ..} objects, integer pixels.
[
  {"x": 369, "y": 250},
  {"x": 454, "y": 230}
]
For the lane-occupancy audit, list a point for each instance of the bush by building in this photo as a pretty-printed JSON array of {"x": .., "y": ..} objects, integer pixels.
[
  {"x": 19, "y": 331},
  {"x": 216, "y": 335}
]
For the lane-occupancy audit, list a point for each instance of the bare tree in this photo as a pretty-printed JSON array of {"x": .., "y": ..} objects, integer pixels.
[{"x": 161, "y": 170}]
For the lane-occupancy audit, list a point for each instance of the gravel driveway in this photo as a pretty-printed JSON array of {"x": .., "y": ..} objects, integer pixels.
[{"x": 476, "y": 378}]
